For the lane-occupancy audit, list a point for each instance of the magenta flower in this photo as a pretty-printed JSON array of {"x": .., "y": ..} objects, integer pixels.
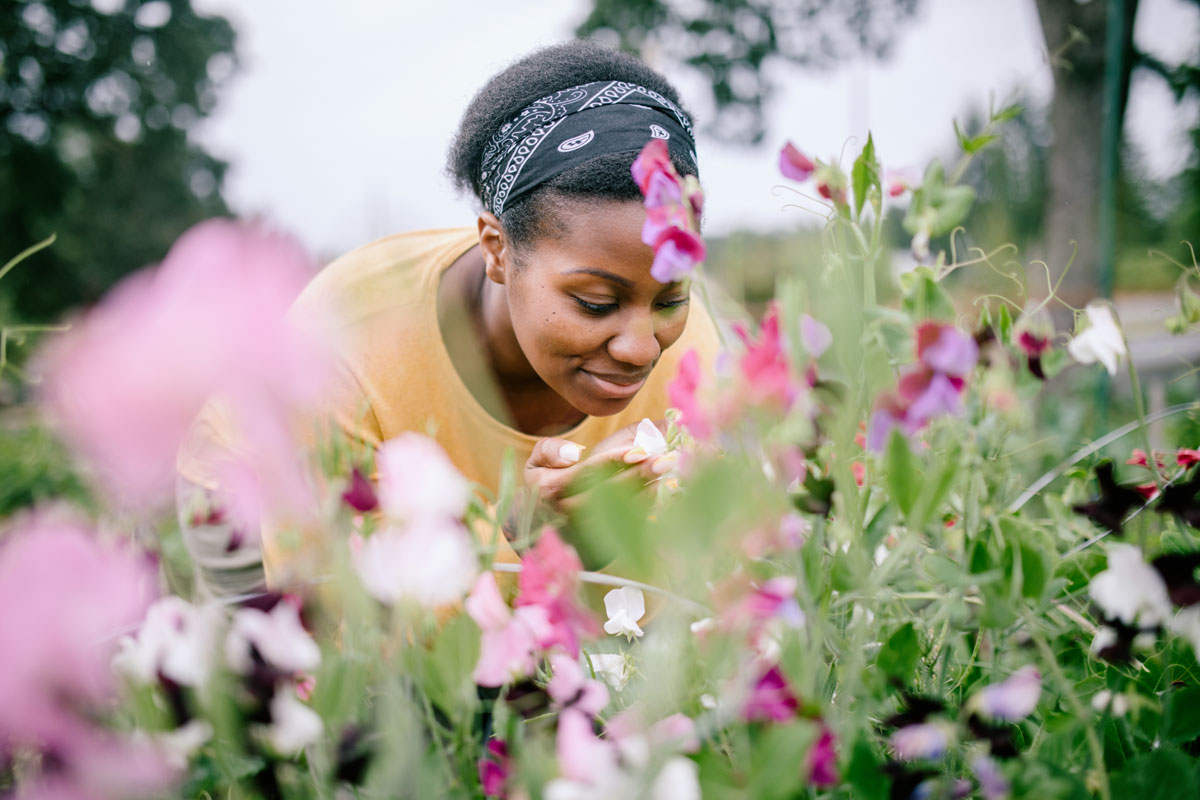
[
  {"x": 683, "y": 394},
  {"x": 1186, "y": 457},
  {"x": 677, "y": 251},
  {"x": 360, "y": 494},
  {"x": 765, "y": 366},
  {"x": 822, "y": 760},
  {"x": 654, "y": 159},
  {"x": 494, "y": 768},
  {"x": 795, "y": 165},
  {"x": 771, "y": 699},
  {"x": 939, "y": 397},
  {"x": 127, "y": 381}
]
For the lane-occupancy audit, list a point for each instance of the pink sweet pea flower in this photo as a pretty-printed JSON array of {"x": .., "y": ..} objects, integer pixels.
[
  {"x": 815, "y": 335},
  {"x": 683, "y": 391},
  {"x": 677, "y": 251},
  {"x": 765, "y": 366},
  {"x": 510, "y": 639},
  {"x": 1138, "y": 458},
  {"x": 549, "y": 579},
  {"x": 664, "y": 191},
  {"x": 127, "y": 381},
  {"x": 771, "y": 699},
  {"x": 360, "y": 494},
  {"x": 431, "y": 562},
  {"x": 654, "y": 159},
  {"x": 581, "y": 755},
  {"x": 822, "y": 760},
  {"x": 795, "y": 165},
  {"x": 570, "y": 688},
  {"x": 1186, "y": 457},
  {"x": 494, "y": 768}
]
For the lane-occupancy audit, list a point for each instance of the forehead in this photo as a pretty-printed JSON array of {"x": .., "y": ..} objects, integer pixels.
[{"x": 600, "y": 235}]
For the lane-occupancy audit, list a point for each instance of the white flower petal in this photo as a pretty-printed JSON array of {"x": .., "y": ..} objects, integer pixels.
[
  {"x": 1101, "y": 341},
  {"x": 624, "y": 606},
  {"x": 679, "y": 779},
  {"x": 430, "y": 562},
  {"x": 650, "y": 439},
  {"x": 279, "y": 637},
  {"x": 1131, "y": 590},
  {"x": 294, "y": 725}
]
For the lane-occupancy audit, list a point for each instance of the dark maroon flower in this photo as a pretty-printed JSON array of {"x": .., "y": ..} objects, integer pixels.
[
  {"x": 1180, "y": 499},
  {"x": 360, "y": 494},
  {"x": 822, "y": 760},
  {"x": 1178, "y": 571},
  {"x": 494, "y": 768},
  {"x": 1109, "y": 509}
]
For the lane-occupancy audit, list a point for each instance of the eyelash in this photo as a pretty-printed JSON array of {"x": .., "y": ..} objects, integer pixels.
[{"x": 606, "y": 308}]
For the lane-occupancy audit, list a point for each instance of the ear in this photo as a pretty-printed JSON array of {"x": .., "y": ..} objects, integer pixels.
[{"x": 493, "y": 244}]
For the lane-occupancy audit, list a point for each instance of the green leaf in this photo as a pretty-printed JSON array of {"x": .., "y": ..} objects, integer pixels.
[
  {"x": 1181, "y": 718},
  {"x": 610, "y": 523},
  {"x": 934, "y": 491},
  {"x": 448, "y": 669},
  {"x": 903, "y": 474},
  {"x": 864, "y": 773},
  {"x": 1034, "y": 572},
  {"x": 1004, "y": 324},
  {"x": 944, "y": 571},
  {"x": 778, "y": 757},
  {"x": 864, "y": 175},
  {"x": 1162, "y": 774},
  {"x": 1007, "y": 113},
  {"x": 899, "y": 655}
]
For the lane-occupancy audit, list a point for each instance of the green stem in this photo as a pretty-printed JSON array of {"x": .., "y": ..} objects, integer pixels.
[
  {"x": 26, "y": 253},
  {"x": 1077, "y": 708},
  {"x": 1139, "y": 406}
]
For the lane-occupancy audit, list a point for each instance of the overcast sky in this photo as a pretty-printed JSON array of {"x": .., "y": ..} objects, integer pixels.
[{"x": 338, "y": 122}]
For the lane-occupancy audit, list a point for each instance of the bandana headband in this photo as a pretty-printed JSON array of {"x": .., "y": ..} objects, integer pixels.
[{"x": 574, "y": 125}]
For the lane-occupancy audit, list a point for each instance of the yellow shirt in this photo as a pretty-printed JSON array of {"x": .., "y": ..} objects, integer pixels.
[{"x": 396, "y": 375}]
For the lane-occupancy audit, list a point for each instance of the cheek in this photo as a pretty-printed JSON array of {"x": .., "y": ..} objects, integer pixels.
[{"x": 670, "y": 329}]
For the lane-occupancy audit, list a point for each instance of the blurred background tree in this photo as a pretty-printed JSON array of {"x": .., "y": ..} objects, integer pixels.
[
  {"x": 1045, "y": 185},
  {"x": 96, "y": 101}
]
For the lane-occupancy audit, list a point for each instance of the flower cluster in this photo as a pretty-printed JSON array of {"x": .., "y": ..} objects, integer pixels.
[
  {"x": 673, "y": 209},
  {"x": 931, "y": 388}
]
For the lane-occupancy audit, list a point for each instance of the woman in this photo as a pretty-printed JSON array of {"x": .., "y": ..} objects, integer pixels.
[{"x": 538, "y": 332}]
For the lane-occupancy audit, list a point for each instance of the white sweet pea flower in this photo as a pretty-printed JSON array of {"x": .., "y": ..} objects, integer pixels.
[
  {"x": 612, "y": 668},
  {"x": 417, "y": 480},
  {"x": 1187, "y": 624},
  {"x": 176, "y": 640},
  {"x": 1012, "y": 699},
  {"x": 679, "y": 779},
  {"x": 294, "y": 725},
  {"x": 1105, "y": 700},
  {"x": 178, "y": 745},
  {"x": 278, "y": 637},
  {"x": 428, "y": 561},
  {"x": 1101, "y": 341},
  {"x": 1131, "y": 590},
  {"x": 624, "y": 606},
  {"x": 648, "y": 441}
]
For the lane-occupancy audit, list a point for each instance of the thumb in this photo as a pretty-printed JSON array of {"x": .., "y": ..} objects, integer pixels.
[{"x": 554, "y": 453}]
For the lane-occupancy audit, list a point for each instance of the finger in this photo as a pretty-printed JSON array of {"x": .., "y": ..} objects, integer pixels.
[{"x": 554, "y": 454}]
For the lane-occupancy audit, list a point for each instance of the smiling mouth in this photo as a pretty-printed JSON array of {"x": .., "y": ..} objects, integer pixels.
[{"x": 616, "y": 387}]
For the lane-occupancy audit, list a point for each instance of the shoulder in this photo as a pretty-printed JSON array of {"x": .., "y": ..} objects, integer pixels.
[{"x": 386, "y": 275}]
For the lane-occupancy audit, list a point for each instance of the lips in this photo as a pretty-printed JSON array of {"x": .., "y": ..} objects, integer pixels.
[{"x": 616, "y": 387}]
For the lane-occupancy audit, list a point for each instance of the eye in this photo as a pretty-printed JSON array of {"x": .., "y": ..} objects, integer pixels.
[
  {"x": 598, "y": 309},
  {"x": 667, "y": 305}
]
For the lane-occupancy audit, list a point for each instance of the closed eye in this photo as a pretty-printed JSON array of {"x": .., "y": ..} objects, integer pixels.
[{"x": 595, "y": 308}]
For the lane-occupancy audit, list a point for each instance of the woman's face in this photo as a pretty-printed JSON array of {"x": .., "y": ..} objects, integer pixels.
[{"x": 588, "y": 317}]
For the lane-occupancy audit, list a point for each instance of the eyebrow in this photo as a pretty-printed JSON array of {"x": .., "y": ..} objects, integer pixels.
[{"x": 608, "y": 276}]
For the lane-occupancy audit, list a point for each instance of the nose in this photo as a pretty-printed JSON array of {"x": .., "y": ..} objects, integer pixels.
[{"x": 636, "y": 343}]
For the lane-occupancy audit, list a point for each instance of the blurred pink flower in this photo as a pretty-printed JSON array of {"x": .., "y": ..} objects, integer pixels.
[
  {"x": 429, "y": 561},
  {"x": 494, "y": 768},
  {"x": 549, "y": 579},
  {"x": 1186, "y": 457},
  {"x": 770, "y": 699},
  {"x": 510, "y": 639},
  {"x": 65, "y": 599},
  {"x": 673, "y": 208},
  {"x": 176, "y": 641},
  {"x": 278, "y": 637},
  {"x": 359, "y": 493},
  {"x": 765, "y": 366},
  {"x": 683, "y": 392},
  {"x": 677, "y": 251},
  {"x": 582, "y": 756},
  {"x": 815, "y": 335},
  {"x": 127, "y": 381},
  {"x": 922, "y": 740},
  {"x": 945, "y": 349},
  {"x": 793, "y": 164},
  {"x": 570, "y": 688},
  {"x": 417, "y": 480},
  {"x": 654, "y": 159},
  {"x": 822, "y": 760}
]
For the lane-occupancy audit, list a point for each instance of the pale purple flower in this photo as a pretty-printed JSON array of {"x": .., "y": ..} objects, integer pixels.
[
  {"x": 794, "y": 164},
  {"x": 815, "y": 335},
  {"x": 1012, "y": 699},
  {"x": 923, "y": 740},
  {"x": 945, "y": 349},
  {"x": 940, "y": 397},
  {"x": 417, "y": 480},
  {"x": 278, "y": 637},
  {"x": 992, "y": 783}
]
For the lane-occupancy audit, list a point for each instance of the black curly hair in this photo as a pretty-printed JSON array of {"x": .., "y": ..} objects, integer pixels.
[{"x": 543, "y": 72}]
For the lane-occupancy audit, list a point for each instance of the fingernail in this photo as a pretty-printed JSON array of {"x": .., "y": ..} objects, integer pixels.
[
  {"x": 570, "y": 452},
  {"x": 635, "y": 455},
  {"x": 664, "y": 464}
]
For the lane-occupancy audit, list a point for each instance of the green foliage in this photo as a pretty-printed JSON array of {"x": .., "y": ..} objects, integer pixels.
[{"x": 95, "y": 110}]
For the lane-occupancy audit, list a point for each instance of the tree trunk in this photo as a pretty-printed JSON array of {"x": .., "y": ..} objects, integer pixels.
[{"x": 1071, "y": 216}]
